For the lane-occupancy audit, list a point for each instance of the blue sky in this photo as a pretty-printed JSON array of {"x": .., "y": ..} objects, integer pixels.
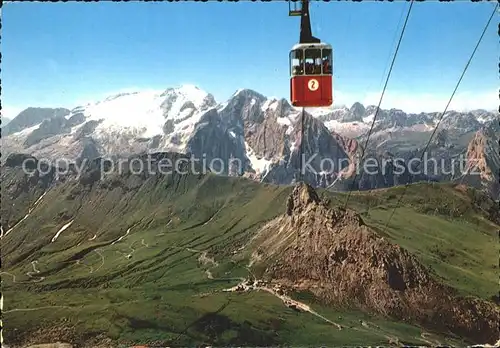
[{"x": 61, "y": 54}]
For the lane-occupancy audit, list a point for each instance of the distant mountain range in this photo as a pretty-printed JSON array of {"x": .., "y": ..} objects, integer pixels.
[
  {"x": 262, "y": 135},
  {"x": 5, "y": 121},
  {"x": 146, "y": 258}
]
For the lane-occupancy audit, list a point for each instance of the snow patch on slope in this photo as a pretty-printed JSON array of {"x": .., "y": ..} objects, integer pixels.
[
  {"x": 25, "y": 132},
  {"x": 260, "y": 165},
  {"x": 369, "y": 118},
  {"x": 318, "y": 112},
  {"x": 139, "y": 111},
  {"x": 145, "y": 113},
  {"x": 285, "y": 121},
  {"x": 222, "y": 106},
  {"x": 349, "y": 129},
  {"x": 270, "y": 104},
  {"x": 61, "y": 230}
]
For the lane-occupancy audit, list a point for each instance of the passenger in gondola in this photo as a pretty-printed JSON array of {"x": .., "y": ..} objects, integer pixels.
[
  {"x": 309, "y": 68},
  {"x": 326, "y": 66},
  {"x": 317, "y": 66},
  {"x": 297, "y": 70}
]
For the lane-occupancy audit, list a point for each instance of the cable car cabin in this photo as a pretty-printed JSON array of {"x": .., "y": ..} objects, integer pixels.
[{"x": 311, "y": 75}]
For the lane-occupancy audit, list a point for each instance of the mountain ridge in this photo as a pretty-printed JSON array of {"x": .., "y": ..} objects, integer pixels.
[{"x": 262, "y": 134}]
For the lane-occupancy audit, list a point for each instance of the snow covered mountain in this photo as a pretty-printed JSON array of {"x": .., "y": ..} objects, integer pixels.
[
  {"x": 5, "y": 121},
  {"x": 262, "y": 134},
  {"x": 120, "y": 124}
]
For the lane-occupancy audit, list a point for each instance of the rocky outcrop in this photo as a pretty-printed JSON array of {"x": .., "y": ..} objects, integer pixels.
[
  {"x": 482, "y": 168},
  {"x": 353, "y": 150},
  {"x": 263, "y": 135},
  {"x": 216, "y": 146},
  {"x": 333, "y": 254},
  {"x": 460, "y": 121},
  {"x": 31, "y": 117},
  {"x": 90, "y": 152},
  {"x": 49, "y": 128},
  {"x": 356, "y": 113},
  {"x": 266, "y": 136}
]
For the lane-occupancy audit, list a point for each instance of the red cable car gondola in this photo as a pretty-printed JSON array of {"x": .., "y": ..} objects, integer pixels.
[{"x": 311, "y": 65}]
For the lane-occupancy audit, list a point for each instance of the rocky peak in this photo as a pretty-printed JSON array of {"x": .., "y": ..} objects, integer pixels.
[
  {"x": 483, "y": 159},
  {"x": 354, "y": 114},
  {"x": 309, "y": 210},
  {"x": 393, "y": 118},
  {"x": 351, "y": 146},
  {"x": 182, "y": 102},
  {"x": 283, "y": 107},
  {"x": 302, "y": 196},
  {"x": 357, "y": 111},
  {"x": 208, "y": 102},
  {"x": 371, "y": 109},
  {"x": 480, "y": 139},
  {"x": 247, "y": 94},
  {"x": 243, "y": 106},
  {"x": 48, "y": 128},
  {"x": 458, "y": 121},
  {"x": 477, "y": 146},
  {"x": 31, "y": 117},
  {"x": 334, "y": 255}
]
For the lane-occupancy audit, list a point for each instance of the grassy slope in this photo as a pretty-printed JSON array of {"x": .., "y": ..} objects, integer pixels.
[
  {"x": 157, "y": 293},
  {"x": 461, "y": 249}
]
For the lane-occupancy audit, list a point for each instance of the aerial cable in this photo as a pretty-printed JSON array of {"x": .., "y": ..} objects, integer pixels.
[
  {"x": 301, "y": 147},
  {"x": 363, "y": 149},
  {"x": 381, "y": 79},
  {"x": 444, "y": 112},
  {"x": 393, "y": 43}
]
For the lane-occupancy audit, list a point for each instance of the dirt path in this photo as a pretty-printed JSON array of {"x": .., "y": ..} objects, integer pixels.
[
  {"x": 35, "y": 271},
  {"x": 17, "y": 282},
  {"x": 28, "y": 274},
  {"x": 133, "y": 250},
  {"x": 249, "y": 285},
  {"x": 98, "y": 252}
]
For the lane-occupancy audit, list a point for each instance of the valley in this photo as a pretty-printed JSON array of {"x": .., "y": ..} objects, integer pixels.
[{"x": 146, "y": 260}]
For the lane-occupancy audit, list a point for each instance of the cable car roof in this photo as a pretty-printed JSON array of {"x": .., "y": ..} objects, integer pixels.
[{"x": 311, "y": 45}]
